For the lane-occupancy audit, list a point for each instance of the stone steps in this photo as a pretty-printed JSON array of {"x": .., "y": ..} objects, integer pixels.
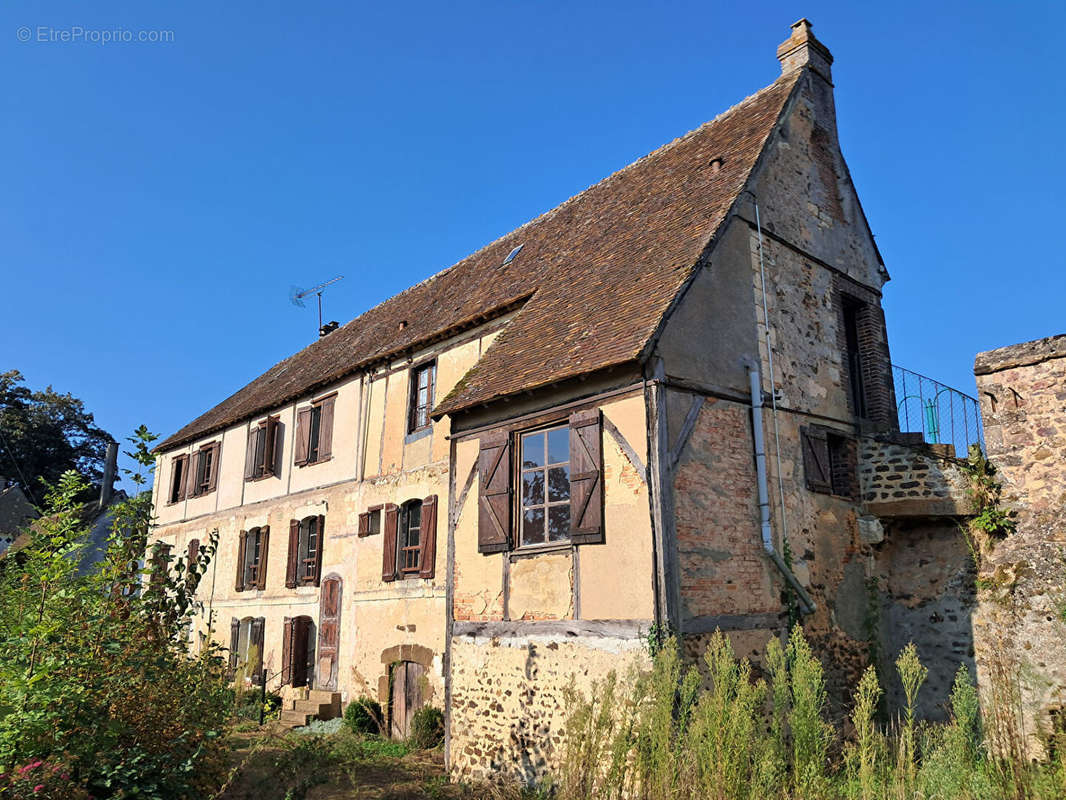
[{"x": 305, "y": 705}]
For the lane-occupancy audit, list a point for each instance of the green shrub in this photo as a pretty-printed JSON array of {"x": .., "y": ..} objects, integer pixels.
[
  {"x": 363, "y": 715},
  {"x": 427, "y": 728}
]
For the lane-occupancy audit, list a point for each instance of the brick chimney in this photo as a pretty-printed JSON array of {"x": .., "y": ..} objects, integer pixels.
[{"x": 802, "y": 49}]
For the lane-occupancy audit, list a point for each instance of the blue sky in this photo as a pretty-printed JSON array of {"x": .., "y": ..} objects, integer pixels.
[{"x": 160, "y": 199}]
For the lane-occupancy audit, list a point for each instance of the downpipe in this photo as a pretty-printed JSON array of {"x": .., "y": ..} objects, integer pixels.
[{"x": 764, "y": 493}]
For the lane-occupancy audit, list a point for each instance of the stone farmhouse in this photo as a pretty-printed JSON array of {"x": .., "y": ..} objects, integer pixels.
[{"x": 666, "y": 404}]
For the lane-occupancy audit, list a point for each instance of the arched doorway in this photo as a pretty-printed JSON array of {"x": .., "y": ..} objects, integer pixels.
[{"x": 298, "y": 651}]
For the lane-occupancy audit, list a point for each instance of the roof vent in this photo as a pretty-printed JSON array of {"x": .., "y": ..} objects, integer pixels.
[
  {"x": 403, "y": 324},
  {"x": 328, "y": 328},
  {"x": 512, "y": 254},
  {"x": 716, "y": 164}
]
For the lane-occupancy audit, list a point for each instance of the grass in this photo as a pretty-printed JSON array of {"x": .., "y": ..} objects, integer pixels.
[{"x": 267, "y": 765}]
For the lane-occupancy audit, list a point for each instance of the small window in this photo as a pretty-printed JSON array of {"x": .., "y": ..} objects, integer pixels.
[
  {"x": 314, "y": 432},
  {"x": 370, "y": 521},
  {"x": 830, "y": 462},
  {"x": 545, "y": 486},
  {"x": 420, "y": 403},
  {"x": 205, "y": 470},
  {"x": 262, "y": 450},
  {"x": 253, "y": 557},
  {"x": 409, "y": 543},
  {"x": 307, "y": 558},
  {"x": 177, "y": 478}
]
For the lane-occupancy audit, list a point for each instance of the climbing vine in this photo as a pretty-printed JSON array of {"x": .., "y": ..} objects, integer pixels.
[{"x": 990, "y": 522}]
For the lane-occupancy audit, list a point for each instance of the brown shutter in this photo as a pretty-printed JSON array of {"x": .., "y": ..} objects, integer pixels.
[
  {"x": 271, "y": 447},
  {"x": 325, "y": 430},
  {"x": 586, "y": 477},
  {"x": 216, "y": 464},
  {"x": 241, "y": 541},
  {"x": 193, "y": 552},
  {"x": 264, "y": 550},
  {"x": 390, "y": 529},
  {"x": 192, "y": 467},
  {"x": 494, "y": 493},
  {"x": 321, "y": 544},
  {"x": 256, "y": 638},
  {"x": 816, "y": 460},
  {"x": 364, "y": 524},
  {"x": 303, "y": 434},
  {"x": 234, "y": 642},
  {"x": 427, "y": 537},
  {"x": 294, "y": 547},
  {"x": 249, "y": 454},
  {"x": 286, "y": 651}
]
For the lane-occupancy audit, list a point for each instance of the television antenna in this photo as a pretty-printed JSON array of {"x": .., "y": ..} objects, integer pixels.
[{"x": 297, "y": 295}]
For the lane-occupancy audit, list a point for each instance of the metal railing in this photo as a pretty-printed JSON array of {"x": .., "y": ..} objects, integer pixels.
[{"x": 942, "y": 415}]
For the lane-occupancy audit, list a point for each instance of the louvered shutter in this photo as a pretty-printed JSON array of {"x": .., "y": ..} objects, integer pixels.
[
  {"x": 294, "y": 548},
  {"x": 364, "y": 524},
  {"x": 586, "y": 477},
  {"x": 390, "y": 530},
  {"x": 234, "y": 643},
  {"x": 264, "y": 550},
  {"x": 216, "y": 465},
  {"x": 427, "y": 537},
  {"x": 494, "y": 493},
  {"x": 321, "y": 544},
  {"x": 271, "y": 448},
  {"x": 249, "y": 454},
  {"x": 256, "y": 638},
  {"x": 325, "y": 430},
  {"x": 286, "y": 651},
  {"x": 303, "y": 435},
  {"x": 816, "y": 460},
  {"x": 242, "y": 538},
  {"x": 192, "y": 469}
]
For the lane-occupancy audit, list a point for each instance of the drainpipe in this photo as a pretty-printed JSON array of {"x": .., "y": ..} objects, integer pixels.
[{"x": 764, "y": 493}]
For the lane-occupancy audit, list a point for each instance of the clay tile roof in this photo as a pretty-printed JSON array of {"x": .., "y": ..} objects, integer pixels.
[{"x": 593, "y": 280}]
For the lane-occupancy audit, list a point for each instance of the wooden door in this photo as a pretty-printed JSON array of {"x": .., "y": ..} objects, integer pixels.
[
  {"x": 302, "y": 651},
  {"x": 408, "y": 683},
  {"x": 329, "y": 626}
]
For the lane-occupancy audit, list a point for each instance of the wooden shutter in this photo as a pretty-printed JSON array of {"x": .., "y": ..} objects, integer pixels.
[
  {"x": 318, "y": 552},
  {"x": 192, "y": 468},
  {"x": 271, "y": 448},
  {"x": 241, "y": 541},
  {"x": 294, "y": 548},
  {"x": 303, "y": 435},
  {"x": 249, "y": 454},
  {"x": 427, "y": 537},
  {"x": 193, "y": 552},
  {"x": 390, "y": 529},
  {"x": 286, "y": 651},
  {"x": 264, "y": 550},
  {"x": 234, "y": 643},
  {"x": 586, "y": 477},
  {"x": 325, "y": 429},
  {"x": 494, "y": 493},
  {"x": 816, "y": 460},
  {"x": 256, "y": 638},
  {"x": 364, "y": 524},
  {"x": 216, "y": 464}
]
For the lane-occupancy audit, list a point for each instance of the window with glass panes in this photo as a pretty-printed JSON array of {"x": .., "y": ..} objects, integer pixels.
[
  {"x": 410, "y": 549},
  {"x": 421, "y": 400},
  {"x": 545, "y": 486},
  {"x": 308, "y": 551},
  {"x": 252, "y": 546}
]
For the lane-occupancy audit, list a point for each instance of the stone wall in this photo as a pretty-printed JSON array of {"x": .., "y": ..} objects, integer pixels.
[
  {"x": 906, "y": 480},
  {"x": 1021, "y": 620},
  {"x": 508, "y": 709}
]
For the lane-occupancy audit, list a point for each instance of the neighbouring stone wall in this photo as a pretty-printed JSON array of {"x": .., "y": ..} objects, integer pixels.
[
  {"x": 1021, "y": 620},
  {"x": 509, "y": 709},
  {"x": 896, "y": 477}
]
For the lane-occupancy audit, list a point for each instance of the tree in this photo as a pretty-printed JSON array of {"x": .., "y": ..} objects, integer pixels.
[{"x": 44, "y": 433}]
